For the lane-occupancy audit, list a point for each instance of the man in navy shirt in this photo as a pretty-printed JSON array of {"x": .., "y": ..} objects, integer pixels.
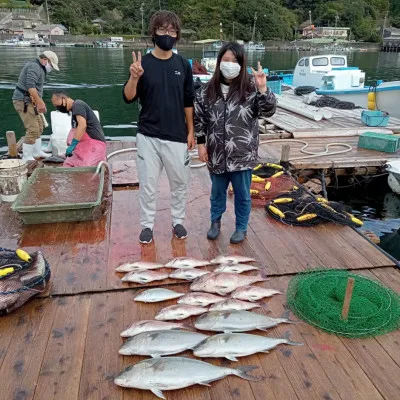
[{"x": 162, "y": 81}]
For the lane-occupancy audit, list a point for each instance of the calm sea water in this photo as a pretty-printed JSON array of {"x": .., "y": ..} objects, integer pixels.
[{"x": 97, "y": 75}]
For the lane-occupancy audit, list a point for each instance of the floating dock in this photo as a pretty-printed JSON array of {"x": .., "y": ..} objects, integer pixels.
[{"x": 65, "y": 344}]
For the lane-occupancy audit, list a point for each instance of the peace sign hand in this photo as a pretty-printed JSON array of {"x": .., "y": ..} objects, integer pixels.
[
  {"x": 136, "y": 69},
  {"x": 260, "y": 78}
]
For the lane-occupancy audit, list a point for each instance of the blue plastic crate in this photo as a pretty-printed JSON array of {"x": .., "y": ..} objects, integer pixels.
[
  {"x": 375, "y": 118},
  {"x": 275, "y": 86}
]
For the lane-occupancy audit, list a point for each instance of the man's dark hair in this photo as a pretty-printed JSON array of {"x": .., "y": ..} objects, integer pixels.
[
  {"x": 60, "y": 94},
  {"x": 164, "y": 19}
]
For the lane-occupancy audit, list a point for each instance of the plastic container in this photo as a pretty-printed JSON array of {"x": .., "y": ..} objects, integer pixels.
[
  {"x": 379, "y": 142},
  {"x": 13, "y": 175},
  {"x": 275, "y": 86},
  {"x": 65, "y": 212},
  {"x": 375, "y": 118}
]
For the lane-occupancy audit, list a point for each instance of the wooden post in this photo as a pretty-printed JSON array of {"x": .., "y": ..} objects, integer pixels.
[
  {"x": 285, "y": 153},
  {"x": 347, "y": 298},
  {"x": 12, "y": 144}
]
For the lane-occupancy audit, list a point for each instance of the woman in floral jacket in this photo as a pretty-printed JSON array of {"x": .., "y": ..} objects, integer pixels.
[{"x": 227, "y": 110}]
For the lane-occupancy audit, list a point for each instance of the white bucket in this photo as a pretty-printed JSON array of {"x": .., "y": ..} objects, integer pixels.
[{"x": 13, "y": 174}]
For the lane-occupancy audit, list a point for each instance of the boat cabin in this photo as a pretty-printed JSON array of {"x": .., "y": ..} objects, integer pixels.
[{"x": 329, "y": 72}]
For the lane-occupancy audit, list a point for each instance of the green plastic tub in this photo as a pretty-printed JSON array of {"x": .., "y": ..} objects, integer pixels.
[
  {"x": 62, "y": 212},
  {"x": 379, "y": 142}
]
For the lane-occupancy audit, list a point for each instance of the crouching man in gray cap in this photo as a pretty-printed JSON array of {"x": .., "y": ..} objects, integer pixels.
[{"x": 29, "y": 104}]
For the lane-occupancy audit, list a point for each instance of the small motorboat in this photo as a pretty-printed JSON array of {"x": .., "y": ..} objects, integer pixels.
[{"x": 393, "y": 167}]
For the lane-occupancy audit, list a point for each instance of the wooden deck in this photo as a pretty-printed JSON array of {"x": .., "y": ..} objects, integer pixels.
[
  {"x": 342, "y": 123},
  {"x": 356, "y": 158},
  {"x": 64, "y": 345}
]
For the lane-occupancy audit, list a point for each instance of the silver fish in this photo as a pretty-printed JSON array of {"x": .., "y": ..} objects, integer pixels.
[
  {"x": 231, "y": 260},
  {"x": 161, "y": 343},
  {"x": 200, "y": 299},
  {"x": 179, "y": 312},
  {"x": 232, "y": 345},
  {"x": 144, "y": 276},
  {"x": 151, "y": 325},
  {"x": 233, "y": 304},
  {"x": 170, "y": 373},
  {"x": 236, "y": 268},
  {"x": 186, "y": 262},
  {"x": 236, "y": 321},
  {"x": 138, "y": 266},
  {"x": 156, "y": 295},
  {"x": 223, "y": 283},
  {"x": 253, "y": 293},
  {"x": 188, "y": 274}
]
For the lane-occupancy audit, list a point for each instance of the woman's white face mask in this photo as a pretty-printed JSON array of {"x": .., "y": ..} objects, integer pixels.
[{"x": 230, "y": 70}]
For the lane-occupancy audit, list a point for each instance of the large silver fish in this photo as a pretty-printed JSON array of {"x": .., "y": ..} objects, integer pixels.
[
  {"x": 231, "y": 260},
  {"x": 253, "y": 293},
  {"x": 233, "y": 304},
  {"x": 223, "y": 283},
  {"x": 186, "y": 262},
  {"x": 138, "y": 266},
  {"x": 200, "y": 299},
  {"x": 161, "y": 343},
  {"x": 157, "y": 294},
  {"x": 180, "y": 311},
  {"x": 152, "y": 325},
  {"x": 232, "y": 345},
  {"x": 170, "y": 373},
  {"x": 188, "y": 274},
  {"x": 144, "y": 276},
  {"x": 236, "y": 321},
  {"x": 236, "y": 268}
]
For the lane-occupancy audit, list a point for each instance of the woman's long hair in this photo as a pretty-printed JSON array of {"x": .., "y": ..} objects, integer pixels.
[{"x": 240, "y": 86}]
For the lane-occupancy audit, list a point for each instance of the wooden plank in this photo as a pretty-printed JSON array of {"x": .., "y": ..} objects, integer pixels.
[
  {"x": 302, "y": 134},
  {"x": 99, "y": 367},
  {"x": 306, "y": 375},
  {"x": 344, "y": 372},
  {"x": 21, "y": 366},
  {"x": 361, "y": 245},
  {"x": 124, "y": 173},
  {"x": 84, "y": 255},
  {"x": 61, "y": 368},
  {"x": 391, "y": 278},
  {"x": 8, "y": 326},
  {"x": 369, "y": 355},
  {"x": 49, "y": 239}
]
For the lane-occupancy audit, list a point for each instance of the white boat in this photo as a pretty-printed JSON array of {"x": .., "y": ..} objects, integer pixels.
[
  {"x": 393, "y": 168},
  {"x": 251, "y": 46},
  {"x": 331, "y": 76},
  {"x": 16, "y": 42},
  {"x": 209, "y": 60},
  {"x": 387, "y": 96},
  {"x": 327, "y": 72},
  {"x": 203, "y": 78}
]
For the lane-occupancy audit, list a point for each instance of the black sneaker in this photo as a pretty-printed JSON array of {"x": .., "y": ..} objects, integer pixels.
[
  {"x": 146, "y": 236},
  {"x": 179, "y": 231}
]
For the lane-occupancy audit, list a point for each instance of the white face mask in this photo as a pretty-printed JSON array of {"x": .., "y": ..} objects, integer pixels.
[
  {"x": 230, "y": 70},
  {"x": 48, "y": 67}
]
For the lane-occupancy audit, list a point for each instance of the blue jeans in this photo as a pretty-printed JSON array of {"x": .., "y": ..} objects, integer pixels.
[{"x": 241, "y": 181}]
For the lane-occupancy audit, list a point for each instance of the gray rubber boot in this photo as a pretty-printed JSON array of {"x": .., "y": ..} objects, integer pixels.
[{"x": 214, "y": 230}]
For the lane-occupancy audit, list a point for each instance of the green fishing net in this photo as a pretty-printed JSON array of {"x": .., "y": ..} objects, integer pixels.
[{"x": 316, "y": 297}]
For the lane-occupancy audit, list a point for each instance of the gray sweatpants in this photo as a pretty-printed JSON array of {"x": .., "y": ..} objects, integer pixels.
[{"x": 152, "y": 155}]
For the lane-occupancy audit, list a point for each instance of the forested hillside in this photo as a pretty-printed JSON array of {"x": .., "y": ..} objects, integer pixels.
[{"x": 276, "y": 19}]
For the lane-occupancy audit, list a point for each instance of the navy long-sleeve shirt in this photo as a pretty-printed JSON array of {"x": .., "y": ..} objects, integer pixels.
[{"x": 164, "y": 90}]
